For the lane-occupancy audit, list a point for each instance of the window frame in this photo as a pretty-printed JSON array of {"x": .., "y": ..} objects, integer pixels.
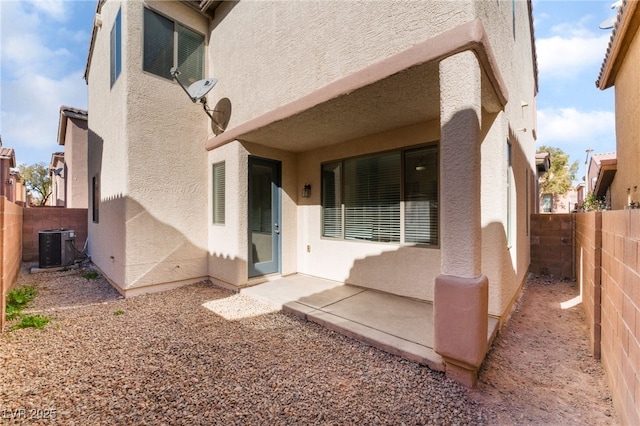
[
  {"x": 403, "y": 197},
  {"x": 115, "y": 42},
  {"x": 95, "y": 199},
  {"x": 510, "y": 211},
  {"x": 176, "y": 47},
  {"x": 215, "y": 193}
]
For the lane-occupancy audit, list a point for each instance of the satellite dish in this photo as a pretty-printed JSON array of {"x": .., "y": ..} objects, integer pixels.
[
  {"x": 197, "y": 92},
  {"x": 200, "y": 88},
  {"x": 605, "y": 25},
  {"x": 220, "y": 116}
]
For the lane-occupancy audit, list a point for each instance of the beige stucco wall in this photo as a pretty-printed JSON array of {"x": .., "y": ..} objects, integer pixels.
[
  {"x": 75, "y": 156},
  {"x": 404, "y": 270},
  {"x": 146, "y": 145},
  {"x": 625, "y": 187},
  {"x": 257, "y": 55},
  {"x": 228, "y": 243},
  {"x": 58, "y": 193},
  {"x": 506, "y": 265}
]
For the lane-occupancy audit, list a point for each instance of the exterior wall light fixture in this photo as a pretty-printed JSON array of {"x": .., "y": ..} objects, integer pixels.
[{"x": 306, "y": 190}]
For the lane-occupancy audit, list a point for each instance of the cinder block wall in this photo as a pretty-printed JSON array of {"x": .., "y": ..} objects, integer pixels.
[
  {"x": 38, "y": 219},
  {"x": 552, "y": 250},
  {"x": 588, "y": 272},
  {"x": 618, "y": 311},
  {"x": 621, "y": 310},
  {"x": 11, "y": 237}
]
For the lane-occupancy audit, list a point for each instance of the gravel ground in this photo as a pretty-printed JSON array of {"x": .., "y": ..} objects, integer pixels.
[{"x": 203, "y": 355}]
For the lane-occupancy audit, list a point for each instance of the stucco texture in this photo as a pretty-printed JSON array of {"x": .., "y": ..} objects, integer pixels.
[
  {"x": 147, "y": 150},
  {"x": 626, "y": 184}
]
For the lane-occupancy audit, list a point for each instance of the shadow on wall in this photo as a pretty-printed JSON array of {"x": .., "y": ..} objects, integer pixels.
[
  {"x": 406, "y": 273},
  {"x": 505, "y": 246},
  {"x": 135, "y": 250}
]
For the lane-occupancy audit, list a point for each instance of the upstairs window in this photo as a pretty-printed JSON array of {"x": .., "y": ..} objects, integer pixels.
[
  {"x": 116, "y": 48},
  {"x": 168, "y": 44}
]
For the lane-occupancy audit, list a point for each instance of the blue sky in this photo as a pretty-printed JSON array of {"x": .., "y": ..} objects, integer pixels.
[{"x": 44, "y": 46}]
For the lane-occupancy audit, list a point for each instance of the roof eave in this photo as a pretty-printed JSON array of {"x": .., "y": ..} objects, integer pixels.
[
  {"x": 533, "y": 47},
  {"x": 94, "y": 30},
  {"x": 624, "y": 30}
]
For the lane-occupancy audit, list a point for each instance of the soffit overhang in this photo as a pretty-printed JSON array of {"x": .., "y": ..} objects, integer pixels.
[
  {"x": 401, "y": 90},
  {"x": 543, "y": 162},
  {"x": 8, "y": 154},
  {"x": 606, "y": 173}
]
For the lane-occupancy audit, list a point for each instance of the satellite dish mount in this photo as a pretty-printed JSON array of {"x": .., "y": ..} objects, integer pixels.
[{"x": 197, "y": 92}]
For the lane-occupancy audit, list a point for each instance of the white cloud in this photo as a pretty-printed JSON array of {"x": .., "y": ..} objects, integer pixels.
[
  {"x": 31, "y": 108},
  {"x": 566, "y": 56},
  {"x": 37, "y": 75},
  {"x": 53, "y": 8},
  {"x": 568, "y": 125},
  {"x": 25, "y": 47}
]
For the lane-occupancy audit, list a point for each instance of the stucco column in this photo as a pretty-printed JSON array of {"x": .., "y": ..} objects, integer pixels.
[{"x": 461, "y": 292}]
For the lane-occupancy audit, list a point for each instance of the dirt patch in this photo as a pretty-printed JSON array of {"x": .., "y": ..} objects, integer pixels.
[{"x": 539, "y": 369}]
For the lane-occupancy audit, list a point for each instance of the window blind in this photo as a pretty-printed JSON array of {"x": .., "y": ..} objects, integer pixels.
[
  {"x": 158, "y": 44},
  {"x": 190, "y": 55},
  {"x": 421, "y": 195},
  {"x": 332, "y": 200},
  {"x": 219, "y": 193},
  {"x": 365, "y": 198},
  {"x": 372, "y": 198}
]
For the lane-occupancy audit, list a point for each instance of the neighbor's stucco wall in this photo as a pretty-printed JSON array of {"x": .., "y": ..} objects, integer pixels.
[
  {"x": 256, "y": 53},
  {"x": 75, "y": 156},
  {"x": 58, "y": 188},
  {"x": 625, "y": 187}
]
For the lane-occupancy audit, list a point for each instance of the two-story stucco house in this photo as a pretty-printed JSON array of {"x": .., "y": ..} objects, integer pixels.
[{"x": 389, "y": 145}]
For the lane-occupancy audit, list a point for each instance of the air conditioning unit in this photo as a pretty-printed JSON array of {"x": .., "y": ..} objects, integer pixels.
[{"x": 56, "y": 248}]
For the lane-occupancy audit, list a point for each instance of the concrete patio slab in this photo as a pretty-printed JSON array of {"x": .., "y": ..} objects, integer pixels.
[
  {"x": 398, "y": 325},
  {"x": 288, "y": 289}
]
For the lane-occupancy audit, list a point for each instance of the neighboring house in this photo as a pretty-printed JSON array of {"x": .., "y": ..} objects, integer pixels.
[
  {"x": 552, "y": 203},
  {"x": 8, "y": 184},
  {"x": 620, "y": 69},
  {"x": 543, "y": 164},
  {"x": 68, "y": 169},
  {"x": 394, "y": 150},
  {"x": 555, "y": 203},
  {"x": 580, "y": 194},
  {"x": 600, "y": 175},
  {"x": 56, "y": 173}
]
